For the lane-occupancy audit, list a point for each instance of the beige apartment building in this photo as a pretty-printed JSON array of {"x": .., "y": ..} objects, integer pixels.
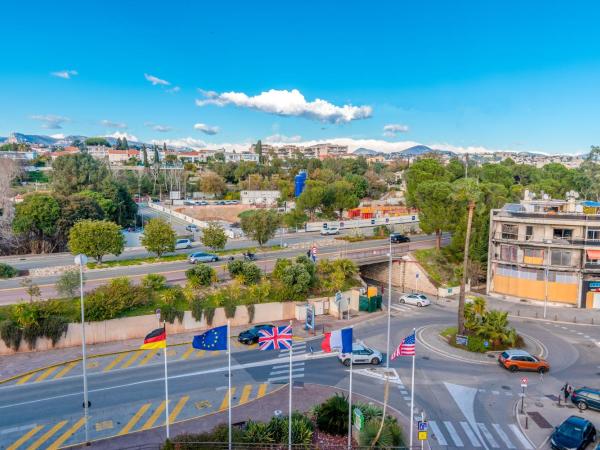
[{"x": 546, "y": 250}]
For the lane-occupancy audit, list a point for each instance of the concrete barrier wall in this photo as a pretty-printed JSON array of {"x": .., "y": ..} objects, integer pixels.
[
  {"x": 139, "y": 326},
  {"x": 360, "y": 223}
]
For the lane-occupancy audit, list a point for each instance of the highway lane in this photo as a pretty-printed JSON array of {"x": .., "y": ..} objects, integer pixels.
[{"x": 11, "y": 291}]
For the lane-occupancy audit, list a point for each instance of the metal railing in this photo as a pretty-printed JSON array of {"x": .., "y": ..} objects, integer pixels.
[
  {"x": 247, "y": 445},
  {"x": 543, "y": 215},
  {"x": 554, "y": 241}
]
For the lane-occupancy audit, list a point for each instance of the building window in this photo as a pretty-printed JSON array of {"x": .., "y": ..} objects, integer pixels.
[
  {"x": 510, "y": 231},
  {"x": 560, "y": 258},
  {"x": 593, "y": 234},
  {"x": 533, "y": 256},
  {"x": 562, "y": 277},
  {"x": 528, "y": 233},
  {"x": 508, "y": 253},
  {"x": 563, "y": 233}
]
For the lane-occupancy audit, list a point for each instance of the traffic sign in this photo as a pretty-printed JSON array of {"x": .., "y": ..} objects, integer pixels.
[
  {"x": 422, "y": 435},
  {"x": 524, "y": 382},
  {"x": 313, "y": 250},
  {"x": 338, "y": 297},
  {"x": 422, "y": 425}
]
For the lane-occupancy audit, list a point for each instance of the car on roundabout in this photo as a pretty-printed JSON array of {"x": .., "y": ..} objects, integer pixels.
[
  {"x": 575, "y": 433},
  {"x": 585, "y": 398},
  {"x": 361, "y": 354},
  {"x": 251, "y": 335},
  {"x": 521, "y": 360},
  {"x": 415, "y": 299}
]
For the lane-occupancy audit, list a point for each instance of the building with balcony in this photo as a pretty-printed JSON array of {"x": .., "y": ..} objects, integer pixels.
[{"x": 546, "y": 250}]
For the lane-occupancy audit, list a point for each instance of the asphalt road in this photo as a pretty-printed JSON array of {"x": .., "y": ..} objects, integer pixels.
[
  {"x": 11, "y": 290},
  {"x": 468, "y": 405}
]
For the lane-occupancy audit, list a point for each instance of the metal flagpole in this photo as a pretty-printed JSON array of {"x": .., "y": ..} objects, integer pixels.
[
  {"x": 290, "y": 397},
  {"x": 350, "y": 406},
  {"x": 166, "y": 385},
  {"x": 412, "y": 392},
  {"x": 229, "y": 381},
  {"x": 81, "y": 260},
  {"x": 389, "y": 307}
]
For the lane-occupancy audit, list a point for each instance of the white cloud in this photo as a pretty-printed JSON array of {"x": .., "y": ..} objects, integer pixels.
[
  {"x": 288, "y": 103},
  {"x": 392, "y": 129},
  {"x": 111, "y": 124},
  {"x": 158, "y": 127},
  {"x": 156, "y": 81},
  {"x": 206, "y": 129},
  {"x": 283, "y": 139},
  {"x": 174, "y": 90},
  {"x": 118, "y": 134},
  {"x": 65, "y": 74},
  {"x": 58, "y": 136},
  {"x": 50, "y": 121},
  {"x": 197, "y": 144}
]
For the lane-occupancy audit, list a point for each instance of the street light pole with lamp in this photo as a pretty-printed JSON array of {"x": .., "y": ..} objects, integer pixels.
[{"x": 81, "y": 260}]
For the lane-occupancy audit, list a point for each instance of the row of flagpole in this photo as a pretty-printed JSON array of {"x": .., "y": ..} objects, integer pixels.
[{"x": 281, "y": 338}]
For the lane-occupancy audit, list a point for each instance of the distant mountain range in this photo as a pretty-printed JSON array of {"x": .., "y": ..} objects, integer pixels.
[
  {"x": 37, "y": 139},
  {"x": 416, "y": 150}
]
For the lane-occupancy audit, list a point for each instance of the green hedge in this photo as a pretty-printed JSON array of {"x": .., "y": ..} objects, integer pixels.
[{"x": 7, "y": 271}]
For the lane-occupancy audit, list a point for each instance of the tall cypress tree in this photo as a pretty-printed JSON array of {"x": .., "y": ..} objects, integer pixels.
[
  {"x": 125, "y": 144},
  {"x": 119, "y": 145},
  {"x": 145, "y": 155},
  {"x": 156, "y": 155}
]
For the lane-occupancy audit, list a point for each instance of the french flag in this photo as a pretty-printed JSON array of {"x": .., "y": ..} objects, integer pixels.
[{"x": 338, "y": 340}]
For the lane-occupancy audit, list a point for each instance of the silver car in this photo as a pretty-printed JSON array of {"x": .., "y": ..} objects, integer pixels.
[
  {"x": 202, "y": 257},
  {"x": 361, "y": 354},
  {"x": 415, "y": 299}
]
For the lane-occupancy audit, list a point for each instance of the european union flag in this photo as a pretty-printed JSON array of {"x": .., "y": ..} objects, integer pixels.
[{"x": 212, "y": 340}]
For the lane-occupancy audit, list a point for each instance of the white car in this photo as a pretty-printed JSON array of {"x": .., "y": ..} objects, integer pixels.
[
  {"x": 415, "y": 299},
  {"x": 361, "y": 354},
  {"x": 330, "y": 231},
  {"x": 183, "y": 243}
]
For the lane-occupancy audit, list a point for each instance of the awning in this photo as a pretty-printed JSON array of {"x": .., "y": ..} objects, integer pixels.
[
  {"x": 593, "y": 254},
  {"x": 591, "y": 204}
]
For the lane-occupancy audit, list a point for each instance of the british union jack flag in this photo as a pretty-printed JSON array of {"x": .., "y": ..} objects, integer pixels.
[{"x": 276, "y": 338}]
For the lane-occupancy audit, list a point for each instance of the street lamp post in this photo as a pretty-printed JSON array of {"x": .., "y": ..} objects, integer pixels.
[
  {"x": 389, "y": 308},
  {"x": 81, "y": 260}
]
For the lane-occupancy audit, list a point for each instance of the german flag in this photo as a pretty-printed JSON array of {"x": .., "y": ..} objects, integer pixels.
[{"x": 155, "y": 339}]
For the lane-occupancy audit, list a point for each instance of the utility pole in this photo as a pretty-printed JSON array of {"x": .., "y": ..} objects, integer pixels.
[{"x": 463, "y": 281}]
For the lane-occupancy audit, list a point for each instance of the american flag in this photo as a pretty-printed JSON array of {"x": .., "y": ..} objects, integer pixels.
[
  {"x": 276, "y": 338},
  {"x": 406, "y": 347}
]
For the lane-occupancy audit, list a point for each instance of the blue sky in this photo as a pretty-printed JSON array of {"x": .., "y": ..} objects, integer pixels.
[{"x": 465, "y": 74}]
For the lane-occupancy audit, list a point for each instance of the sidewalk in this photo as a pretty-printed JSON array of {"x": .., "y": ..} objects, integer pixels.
[{"x": 305, "y": 397}]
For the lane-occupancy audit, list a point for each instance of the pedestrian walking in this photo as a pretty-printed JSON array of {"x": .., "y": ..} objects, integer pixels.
[{"x": 565, "y": 391}]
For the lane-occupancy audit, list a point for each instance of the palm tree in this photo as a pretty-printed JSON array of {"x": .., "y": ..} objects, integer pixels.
[{"x": 495, "y": 327}]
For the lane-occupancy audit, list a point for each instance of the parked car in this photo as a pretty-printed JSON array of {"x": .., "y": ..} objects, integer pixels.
[
  {"x": 361, "y": 354},
  {"x": 514, "y": 360},
  {"x": 415, "y": 299},
  {"x": 330, "y": 231},
  {"x": 192, "y": 227},
  {"x": 251, "y": 336},
  {"x": 575, "y": 433},
  {"x": 586, "y": 398},
  {"x": 183, "y": 243},
  {"x": 202, "y": 257},
  {"x": 398, "y": 238}
]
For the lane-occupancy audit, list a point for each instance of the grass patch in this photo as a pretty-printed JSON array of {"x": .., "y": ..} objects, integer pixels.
[
  {"x": 441, "y": 271},
  {"x": 359, "y": 238},
  {"x": 181, "y": 304}
]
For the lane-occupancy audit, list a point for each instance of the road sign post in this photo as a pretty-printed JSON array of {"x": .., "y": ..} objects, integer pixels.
[
  {"x": 523, "y": 387},
  {"x": 422, "y": 428}
]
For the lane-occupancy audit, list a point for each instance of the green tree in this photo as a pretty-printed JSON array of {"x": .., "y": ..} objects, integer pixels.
[
  {"x": 158, "y": 237},
  {"x": 360, "y": 185},
  {"x": 145, "y": 156},
  {"x": 68, "y": 283},
  {"x": 312, "y": 197},
  {"x": 37, "y": 216},
  {"x": 201, "y": 275},
  {"x": 212, "y": 183},
  {"x": 425, "y": 169},
  {"x": 32, "y": 289},
  {"x": 342, "y": 196},
  {"x": 96, "y": 238},
  {"x": 431, "y": 197},
  {"x": 97, "y": 141},
  {"x": 296, "y": 218},
  {"x": 77, "y": 172},
  {"x": 214, "y": 237},
  {"x": 259, "y": 151},
  {"x": 297, "y": 281},
  {"x": 260, "y": 224},
  {"x": 124, "y": 207}
]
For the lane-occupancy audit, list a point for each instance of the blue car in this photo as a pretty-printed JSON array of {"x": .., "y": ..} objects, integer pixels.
[
  {"x": 586, "y": 398},
  {"x": 202, "y": 257},
  {"x": 575, "y": 433}
]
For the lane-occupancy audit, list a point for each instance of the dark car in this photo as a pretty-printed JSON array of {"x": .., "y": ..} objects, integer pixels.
[
  {"x": 398, "y": 238},
  {"x": 586, "y": 398},
  {"x": 251, "y": 336},
  {"x": 574, "y": 433}
]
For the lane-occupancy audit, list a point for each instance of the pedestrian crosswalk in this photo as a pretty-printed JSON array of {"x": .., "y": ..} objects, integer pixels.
[
  {"x": 478, "y": 435},
  {"x": 404, "y": 309},
  {"x": 280, "y": 372}
]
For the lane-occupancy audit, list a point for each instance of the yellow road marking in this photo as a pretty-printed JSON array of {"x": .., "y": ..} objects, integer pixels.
[
  {"x": 262, "y": 390},
  {"x": 115, "y": 361},
  {"x": 135, "y": 419},
  {"x": 188, "y": 352},
  {"x": 178, "y": 407},
  {"x": 150, "y": 422},
  {"x": 67, "y": 434},
  {"x": 215, "y": 353},
  {"x": 245, "y": 394},
  {"x": 200, "y": 353},
  {"x": 24, "y": 438},
  {"x": 66, "y": 369},
  {"x": 148, "y": 357},
  {"x": 105, "y": 425},
  {"x": 225, "y": 402},
  {"x": 47, "y": 435},
  {"x": 26, "y": 378},
  {"x": 46, "y": 374},
  {"x": 133, "y": 359}
]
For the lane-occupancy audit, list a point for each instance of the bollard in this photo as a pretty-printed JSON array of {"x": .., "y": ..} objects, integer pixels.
[
  {"x": 555, "y": 317},
  {"x": 574, "y": 319},
  {"x": 518, "y": 312},
  {"x": 527, "y": 422},
  {"x": 536, "y": 315},
  {"x": 592, "y": 321}
]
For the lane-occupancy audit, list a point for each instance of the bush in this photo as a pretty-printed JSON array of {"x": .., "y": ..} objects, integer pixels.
[
  {"x": 258, "y": 432},
  {"x": 235, "y": 267},
  {"x": 7, "y": 271},
  {"x": 111, "y": 300},
  {"x": 390, "y": 436},
  {"x": 11, "y": 334},
  {"x": 201, "y": 275},
  {"x": 332, "y": 415},
  {"x": 249, "y": 272},
  {"x": 197, "y": 308},
  {"x": 170, "y": 313},
  {"x": 154, "y": 282}
]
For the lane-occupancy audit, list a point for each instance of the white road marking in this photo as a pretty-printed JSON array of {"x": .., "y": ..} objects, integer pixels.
[
  {"x": 437, "y": 432},
  {"x": 285, "y": 366},
  {"x": 487, "y": 434},
  {"x": 524, "y": 441},
  {"x": 503, "y": 435},
  {"x": 285, "y": 377},
  {"x": 294, "y": 370},
  {"x": 469, "y": 432},
  {"x": 453, "y": 434},
  {"x": 496, "y": 392}
]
